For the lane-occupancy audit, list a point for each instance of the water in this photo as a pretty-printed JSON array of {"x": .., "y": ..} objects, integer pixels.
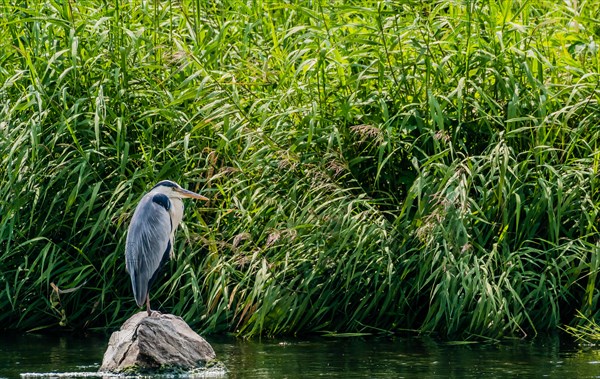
[{"x": 327, "y": 357}]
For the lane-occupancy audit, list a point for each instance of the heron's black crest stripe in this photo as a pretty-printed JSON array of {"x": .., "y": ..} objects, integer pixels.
[
  {"x": 162, "y": 200},
  {"x": 166, "y": 183}
]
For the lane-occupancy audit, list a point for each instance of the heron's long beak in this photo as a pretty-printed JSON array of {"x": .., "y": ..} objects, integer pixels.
[{"x": 190, "y": 194}]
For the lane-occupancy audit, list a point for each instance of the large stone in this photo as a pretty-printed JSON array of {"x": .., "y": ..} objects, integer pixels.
[{"x": 158, "y": 342}]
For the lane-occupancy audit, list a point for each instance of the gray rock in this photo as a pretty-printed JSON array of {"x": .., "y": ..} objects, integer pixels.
[{"x": 160, "y": 341}]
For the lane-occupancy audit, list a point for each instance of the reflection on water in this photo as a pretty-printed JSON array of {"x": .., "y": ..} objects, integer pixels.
[
  {"x": 406, "y": 357},
  {"x": 327, "y": 357},
  {"x": 49, "y": 353}
]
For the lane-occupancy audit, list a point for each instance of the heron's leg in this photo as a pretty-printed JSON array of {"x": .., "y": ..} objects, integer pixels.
[{"x": 148, "y": 305}]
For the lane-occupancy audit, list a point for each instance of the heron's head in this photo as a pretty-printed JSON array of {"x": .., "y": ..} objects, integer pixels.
[{"x": 174, "y": 191}]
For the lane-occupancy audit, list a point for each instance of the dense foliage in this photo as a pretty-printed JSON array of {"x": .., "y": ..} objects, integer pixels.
[{"x": 372, "y": 166}]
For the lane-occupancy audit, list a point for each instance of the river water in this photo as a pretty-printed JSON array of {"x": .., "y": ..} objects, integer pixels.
[{"x": 354, "y": 357}]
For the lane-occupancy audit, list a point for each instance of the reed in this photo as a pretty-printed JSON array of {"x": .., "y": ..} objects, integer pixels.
[
  {"x": 372, "y": 167},
  {"x": 585, "y": 331}
]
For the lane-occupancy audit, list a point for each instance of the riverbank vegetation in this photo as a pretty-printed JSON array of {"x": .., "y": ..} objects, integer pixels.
[
  {"x": 586, "y": 332},
  {"x": 373, "y": 167}
]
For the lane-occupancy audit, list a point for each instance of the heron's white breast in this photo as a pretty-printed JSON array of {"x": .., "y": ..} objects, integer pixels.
[{"x": 176, "y": 212}]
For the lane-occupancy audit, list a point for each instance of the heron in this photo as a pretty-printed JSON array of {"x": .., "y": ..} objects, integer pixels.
[{"x": 149, "y": 243}]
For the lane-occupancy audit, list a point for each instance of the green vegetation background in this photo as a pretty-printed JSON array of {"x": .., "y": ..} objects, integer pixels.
[{"x": 372, "y": 166}]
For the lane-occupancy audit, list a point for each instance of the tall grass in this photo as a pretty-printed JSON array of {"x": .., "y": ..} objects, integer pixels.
[{"x": 372, "y": 167}]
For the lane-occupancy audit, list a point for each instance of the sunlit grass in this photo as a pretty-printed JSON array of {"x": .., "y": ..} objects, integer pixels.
[
  {"x": 586, "y": 332},
  {"x": 373, "y": 167}
]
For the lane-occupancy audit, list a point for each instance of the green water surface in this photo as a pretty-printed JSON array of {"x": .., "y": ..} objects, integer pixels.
[{"x": 325, "y": 357}]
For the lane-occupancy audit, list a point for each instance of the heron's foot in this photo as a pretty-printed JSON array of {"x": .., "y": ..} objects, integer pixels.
[{"x": 154, "y": 313}]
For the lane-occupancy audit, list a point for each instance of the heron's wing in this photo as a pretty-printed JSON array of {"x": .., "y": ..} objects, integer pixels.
[{"x": 148, "y": 238}]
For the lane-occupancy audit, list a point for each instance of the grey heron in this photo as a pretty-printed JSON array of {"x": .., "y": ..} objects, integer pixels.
[{"x": 149, "y": 243}]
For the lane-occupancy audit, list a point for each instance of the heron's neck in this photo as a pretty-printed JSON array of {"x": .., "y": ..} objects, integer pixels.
[{"x": 176, "y": 212}]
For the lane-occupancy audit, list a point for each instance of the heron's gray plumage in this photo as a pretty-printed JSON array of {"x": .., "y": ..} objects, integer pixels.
[{"x": 150, "y": 235}]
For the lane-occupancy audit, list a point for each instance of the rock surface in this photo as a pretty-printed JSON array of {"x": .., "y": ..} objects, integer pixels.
[{"x": 160, "y": 341}]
